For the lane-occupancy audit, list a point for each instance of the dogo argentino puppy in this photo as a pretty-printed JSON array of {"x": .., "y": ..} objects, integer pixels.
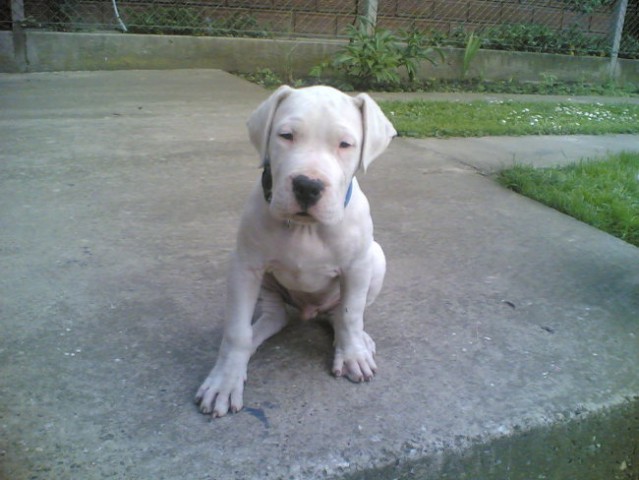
[{"x": 306, "y": 235}]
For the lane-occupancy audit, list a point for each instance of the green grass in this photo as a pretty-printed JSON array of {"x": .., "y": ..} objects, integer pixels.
[
  {"x": 549, "y": 86},
  {"x": 604, "y": 194},
  {"x": 479, "y": 118}
]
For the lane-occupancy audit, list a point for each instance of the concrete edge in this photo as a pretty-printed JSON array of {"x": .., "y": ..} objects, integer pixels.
[
  {"x": 59, "y": 51},
  {"x": 587, "y": 443}
]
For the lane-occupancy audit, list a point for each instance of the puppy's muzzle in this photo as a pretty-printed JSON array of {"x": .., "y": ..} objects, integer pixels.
[{"x": 307, "y": 191}]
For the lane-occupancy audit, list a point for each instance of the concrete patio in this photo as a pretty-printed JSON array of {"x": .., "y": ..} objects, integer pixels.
[{"x": 507, "y": 333}]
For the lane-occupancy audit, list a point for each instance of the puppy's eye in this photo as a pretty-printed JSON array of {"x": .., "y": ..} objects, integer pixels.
[
  {"x": 286, "y": 136},
  {"x": 345, "y": 145}
]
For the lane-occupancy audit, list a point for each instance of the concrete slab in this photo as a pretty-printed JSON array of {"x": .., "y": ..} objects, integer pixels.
[
  {"x": 489, "y": 155},
  {"x": 506, "y": 332}
]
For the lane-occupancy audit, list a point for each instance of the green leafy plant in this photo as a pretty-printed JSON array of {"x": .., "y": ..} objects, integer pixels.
[
  {"x": 264, "y": 77},
  {"x": 237, "y": 25},
  {"x": 532, "y": 37},
  {"x": 549, "y": 80},
  {"x": 167, "y": 20},
  {"x": 417, "y": 47},
  {"x": 473, "y": 44},
  {"x": 373, "y": 60},
  {"x": 587, "y": 6},
  {"x": 189, "y": 21},
  {"x": 629, "y": 46},
  {"x": 368, "y": 59}
]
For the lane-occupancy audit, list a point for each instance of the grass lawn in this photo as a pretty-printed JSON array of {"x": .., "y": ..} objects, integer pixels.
[
  {"x": 604, "y": 194},
  {"x": 481, "y": 118}
]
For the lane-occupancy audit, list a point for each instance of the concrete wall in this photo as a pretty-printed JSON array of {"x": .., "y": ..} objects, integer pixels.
[
  {"x": 53, "y": 51},
  {"x": 7, "y": 53}
]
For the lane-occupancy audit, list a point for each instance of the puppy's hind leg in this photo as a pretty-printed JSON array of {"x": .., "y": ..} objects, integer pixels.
[
  {"x": 377, "y": 280},
  {"x": 378, "y": 261},
  {"x": 270, "y": 317}
]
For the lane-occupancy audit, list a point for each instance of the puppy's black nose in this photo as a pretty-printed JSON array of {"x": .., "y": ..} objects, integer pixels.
[{"x": 307, "y": 191}]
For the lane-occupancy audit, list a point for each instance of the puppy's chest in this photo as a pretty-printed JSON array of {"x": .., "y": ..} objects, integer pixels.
[{"x": 307, "y": 265}]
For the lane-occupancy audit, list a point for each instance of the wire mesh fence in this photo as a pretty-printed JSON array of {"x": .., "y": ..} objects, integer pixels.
[{"x": 564, "y": 26}]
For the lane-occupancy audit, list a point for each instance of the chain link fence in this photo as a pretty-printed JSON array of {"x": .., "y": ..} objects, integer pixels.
[{"x": 582, "y": 27}]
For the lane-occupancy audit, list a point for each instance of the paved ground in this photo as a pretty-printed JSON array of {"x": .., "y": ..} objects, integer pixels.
[{"x": 507, "y": 333}]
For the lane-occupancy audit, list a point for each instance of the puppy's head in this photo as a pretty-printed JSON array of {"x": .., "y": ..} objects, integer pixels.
[{"x": 312, "y": 142}]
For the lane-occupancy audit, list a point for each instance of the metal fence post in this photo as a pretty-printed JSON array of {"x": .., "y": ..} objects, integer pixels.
[
  {"x": 370, "y": 14},
  {"x": 19, "y": 36},
  {"x": 17, "y": 12},
  {"x": 616, "y": 31}
]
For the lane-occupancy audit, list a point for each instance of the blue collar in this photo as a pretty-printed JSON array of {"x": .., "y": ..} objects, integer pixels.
[{"x": 349, "y": 192}]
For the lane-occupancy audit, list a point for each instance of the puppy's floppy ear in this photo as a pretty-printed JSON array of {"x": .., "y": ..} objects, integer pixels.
[
  {"x": 378, "y": 130},
  {"x": 259, "y": 123}
]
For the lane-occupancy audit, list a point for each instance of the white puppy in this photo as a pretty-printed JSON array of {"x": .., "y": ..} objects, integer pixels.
[{"x": 306, "y": 235}]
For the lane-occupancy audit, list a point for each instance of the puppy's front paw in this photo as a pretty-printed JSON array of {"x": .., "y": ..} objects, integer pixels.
[
  {"x": 354, "y": 358},
  {"x": 222, "y": 391}
]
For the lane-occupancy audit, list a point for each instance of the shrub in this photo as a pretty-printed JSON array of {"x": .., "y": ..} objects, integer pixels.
[
  {"x": 532, "y": 37},
  {"x": 189, "y": 21},
  {"x": 372, "y": 60},
  {"x": 629, "y": 47},
  {"x": 167, "y": 20}
]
